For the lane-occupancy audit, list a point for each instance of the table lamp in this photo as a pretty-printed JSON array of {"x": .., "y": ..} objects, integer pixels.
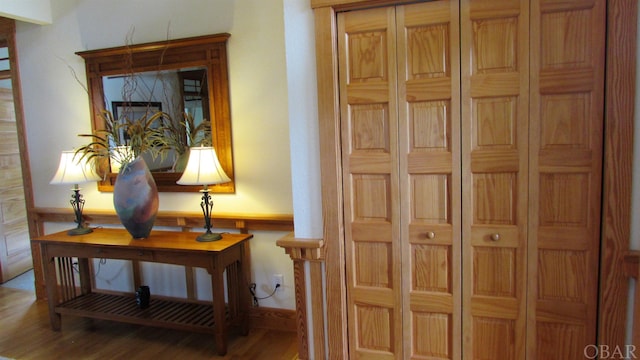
[
  {"x": 203, "y": 168},
  {"x": 74, "y": 169}
]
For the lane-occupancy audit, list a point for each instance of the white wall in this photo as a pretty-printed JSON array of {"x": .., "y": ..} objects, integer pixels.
[
  {"x": 35, "y": 11},
  {"x": 261, "y": 68},
  {"x": 303, "y": 117}
]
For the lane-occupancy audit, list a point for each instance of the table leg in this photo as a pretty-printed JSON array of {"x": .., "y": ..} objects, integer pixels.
[
  {"x": 219, "y": 316},
  {"x": 85, "y": 275},
  {"x": 51, "y": 283},
  {"x": 243, "y": 282}
]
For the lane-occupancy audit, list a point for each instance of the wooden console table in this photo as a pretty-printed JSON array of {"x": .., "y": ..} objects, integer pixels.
[{"x": 180, "y": 248}]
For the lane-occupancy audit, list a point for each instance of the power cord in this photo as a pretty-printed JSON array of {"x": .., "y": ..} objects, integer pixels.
[
  {"x": 100, "y": 263},
  {"x": 252, "y": 290}
]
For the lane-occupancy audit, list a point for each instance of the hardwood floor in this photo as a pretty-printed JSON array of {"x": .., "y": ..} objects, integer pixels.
[{"x": 25, "y": 333}]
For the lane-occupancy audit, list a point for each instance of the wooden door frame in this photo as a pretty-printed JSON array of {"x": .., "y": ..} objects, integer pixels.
[
  {"x": 617, "y": 164},
  {"x": 620, "y": 89},
  {"x": 8, "y": 36}
]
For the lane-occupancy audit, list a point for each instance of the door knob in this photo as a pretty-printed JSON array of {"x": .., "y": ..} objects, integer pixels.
[
  {"x": 495, "y": 237},
  {"x": 431, "y": 235}
]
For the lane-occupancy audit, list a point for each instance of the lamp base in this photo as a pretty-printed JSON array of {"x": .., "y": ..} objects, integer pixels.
[
  {"x": 80, "y": 231},
  {"x": 209, "y": 237}
]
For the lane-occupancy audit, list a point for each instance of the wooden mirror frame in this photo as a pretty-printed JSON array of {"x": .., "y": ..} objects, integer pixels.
[{"x": 207, "y": 51}]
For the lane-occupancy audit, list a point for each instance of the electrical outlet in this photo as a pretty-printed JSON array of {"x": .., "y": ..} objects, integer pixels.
[{"x": 278, "y": 279}]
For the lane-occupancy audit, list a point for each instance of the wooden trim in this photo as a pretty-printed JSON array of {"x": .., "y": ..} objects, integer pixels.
[
  {"x": 617, "y": 177},
  {"x": 272, "y": 318},
  {"x": 318, "y": 310},
  {"x": 160, "y": 46},
  {"x": 302, "y": 250},
  {"x": 301, "y": 309},
  {"x": 8, "y": 38},
  {"x": 8, "y": 34},
  {"x": 632, "y": 264},
  {"x": 184, "y": 220},
  {"x": 355, "y": 4},
  {"x": 331, "y": 180}
]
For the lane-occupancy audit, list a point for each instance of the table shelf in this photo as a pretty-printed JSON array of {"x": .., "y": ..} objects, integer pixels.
[{"x": 166, "y": 313}]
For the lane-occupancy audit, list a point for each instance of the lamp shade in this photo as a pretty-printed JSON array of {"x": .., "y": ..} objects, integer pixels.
[
  {"x": 203, "y": 168},
  {"x": 74, "y": 169}
]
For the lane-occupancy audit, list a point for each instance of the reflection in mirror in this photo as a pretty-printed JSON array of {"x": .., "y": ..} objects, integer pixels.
[
  {"x": 187, "y": 80},
  {"x": 183, "y": 97}
]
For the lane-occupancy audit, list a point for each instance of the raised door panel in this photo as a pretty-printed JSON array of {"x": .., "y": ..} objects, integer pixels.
[
  {"x": 566, "y": 149},
  {"x": 429, "y": 151},
  {"x": 369, "y": 127},
  {"x": 15, "y": 244},
  {"x": 495, "y": 105}
]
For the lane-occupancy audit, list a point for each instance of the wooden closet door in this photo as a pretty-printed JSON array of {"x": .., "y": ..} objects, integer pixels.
[
  {"x": 369, "y": 128},
  {"x": 471, "y": 164},
  {"x": 495, "y": 93},
  {"x": 567, "y": 82},
  {"x": 429, "y": 124},
  {"x": 401, "y": 154}
]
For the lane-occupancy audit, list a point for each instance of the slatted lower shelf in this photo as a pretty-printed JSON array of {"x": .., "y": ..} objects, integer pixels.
[{"x": 161, "y": 312}]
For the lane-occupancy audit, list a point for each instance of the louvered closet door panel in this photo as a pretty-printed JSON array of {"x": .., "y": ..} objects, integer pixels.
[
  {"x": 429, "y": 138},
  {"x": 566, "y": 151},
  {"x": 368, "y": 93},
  {"x": 495, "y": 74}
]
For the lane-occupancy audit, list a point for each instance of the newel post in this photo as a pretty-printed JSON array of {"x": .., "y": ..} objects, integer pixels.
[{"x": 309, "y": 251}]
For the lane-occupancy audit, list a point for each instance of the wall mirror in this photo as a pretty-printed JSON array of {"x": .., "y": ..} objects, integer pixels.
[{"x": 186, "y": 78}]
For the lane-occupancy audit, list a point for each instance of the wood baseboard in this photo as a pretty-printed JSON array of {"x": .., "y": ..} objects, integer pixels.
[{"x": 272, "y": 319}]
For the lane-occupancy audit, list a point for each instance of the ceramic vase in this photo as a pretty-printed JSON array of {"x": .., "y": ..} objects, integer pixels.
[{"x": 135, "y": 198}]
